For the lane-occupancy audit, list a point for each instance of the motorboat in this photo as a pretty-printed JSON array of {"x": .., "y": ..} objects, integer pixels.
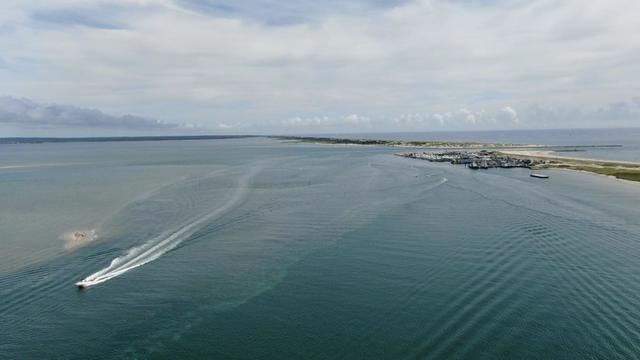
[{"x": 539, "y": 176}]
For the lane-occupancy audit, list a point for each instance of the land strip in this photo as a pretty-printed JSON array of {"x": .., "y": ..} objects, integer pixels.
[
  {"x": 479, "y": 155},
  {"x": 624, "y": 170},
  {"x": 537, "y": 160},
  {"x": 402, "y": 143}
]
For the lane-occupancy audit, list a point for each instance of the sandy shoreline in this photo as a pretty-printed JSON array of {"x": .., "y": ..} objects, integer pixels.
[
  {"x": 551, "y": 155},
  {"x": 471, "y": 146},
  {"x": 613, "y": 169}
]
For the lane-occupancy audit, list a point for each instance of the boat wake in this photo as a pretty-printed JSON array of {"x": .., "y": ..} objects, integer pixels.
[{"x": 158, "y": 246}]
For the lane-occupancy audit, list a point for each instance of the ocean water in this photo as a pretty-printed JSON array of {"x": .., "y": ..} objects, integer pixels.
[{"x": 251, "y": 248}]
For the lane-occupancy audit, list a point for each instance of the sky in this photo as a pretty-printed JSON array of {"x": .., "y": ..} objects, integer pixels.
[{"x": 131, "y": 67}]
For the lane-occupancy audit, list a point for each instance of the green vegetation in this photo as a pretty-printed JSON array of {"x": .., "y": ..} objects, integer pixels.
[
  {"x": 615, "y": 164},
  {"x": 618, "y": 169},
  {"x": 620, "y": 173}
]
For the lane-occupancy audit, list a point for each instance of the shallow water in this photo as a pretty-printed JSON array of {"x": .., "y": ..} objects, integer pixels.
[{"x": 248, "y": 248}]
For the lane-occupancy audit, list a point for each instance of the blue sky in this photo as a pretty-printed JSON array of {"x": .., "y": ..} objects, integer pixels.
[
  {"x": 271, "y": 12},
  {"x": 71, "y": 67}
]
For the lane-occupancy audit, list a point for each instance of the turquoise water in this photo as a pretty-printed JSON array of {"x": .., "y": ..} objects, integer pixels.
[{"x": 248, "y": 248}]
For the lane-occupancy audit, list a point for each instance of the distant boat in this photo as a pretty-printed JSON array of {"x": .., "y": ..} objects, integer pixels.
[
  {"x": 539, "y": 176},
  {"x": 474, "y": 166}
]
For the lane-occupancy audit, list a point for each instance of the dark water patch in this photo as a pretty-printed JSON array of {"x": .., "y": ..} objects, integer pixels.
[
  {"x": 582, "y": 283},
  {"x": 475, "y": 296}
]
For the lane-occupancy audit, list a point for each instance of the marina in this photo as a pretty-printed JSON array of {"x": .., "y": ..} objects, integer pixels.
[{"x": 475, "y": 160}]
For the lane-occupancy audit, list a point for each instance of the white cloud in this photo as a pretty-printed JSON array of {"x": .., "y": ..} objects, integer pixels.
[
  {"x": 460, "y": 119},
  {"x": 508, "y": 115},
  {"x": 170, "y": 62},
  {"x": 616, "y": 114},
  {"x": 357, "y": 119},
  {"x": 327, "y": 123},
  {"x": 28, "y": 114}
]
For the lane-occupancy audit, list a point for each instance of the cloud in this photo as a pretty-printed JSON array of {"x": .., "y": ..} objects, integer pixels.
[
  {"x": 357, "y": 119},
  {"x": 28, "y": 114},
  {"x": 508, "y": 115},
  {"x": 67, "y": 17},
  {"x": 281, "y": 13},
  {"x": 464, "y": 118},
  {"x": 256, "y": 62},
  {"x": 352, "y": 120},
  {"x": 624, "y": 113}
]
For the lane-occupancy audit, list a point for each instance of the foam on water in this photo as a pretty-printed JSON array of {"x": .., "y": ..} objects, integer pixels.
[
  {"x": 158, "y": 246},
  {"x": 78, "y": 238}
]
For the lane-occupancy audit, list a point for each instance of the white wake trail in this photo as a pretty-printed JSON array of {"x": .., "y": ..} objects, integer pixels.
[{"x": 158, "y": 246}]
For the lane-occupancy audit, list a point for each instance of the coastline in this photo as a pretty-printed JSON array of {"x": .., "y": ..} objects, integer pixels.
[
  {"x": 550, "y": 155},
  {"x": 408, "y": 144},
  {"x": 534, "y": 159},
  {"x": 602, "y": 176},
  {"x": 620, "y": 170}
]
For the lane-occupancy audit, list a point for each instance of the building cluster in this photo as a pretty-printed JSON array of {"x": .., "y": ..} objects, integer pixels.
[{"x": 482, "y": 159}]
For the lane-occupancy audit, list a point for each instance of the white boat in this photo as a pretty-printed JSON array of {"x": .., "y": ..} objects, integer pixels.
[{"x": 539, "y": 176}]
